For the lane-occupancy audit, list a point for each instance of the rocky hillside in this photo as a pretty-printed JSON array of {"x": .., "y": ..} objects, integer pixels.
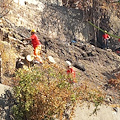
[{"x": 64, "y": 35}]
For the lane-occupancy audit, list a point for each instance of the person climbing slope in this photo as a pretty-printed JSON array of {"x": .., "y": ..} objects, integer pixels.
[
  {"x": 70, "y": 72},
  {"x": 36, "y": 45},
  {"x": 105, "y": 38}
]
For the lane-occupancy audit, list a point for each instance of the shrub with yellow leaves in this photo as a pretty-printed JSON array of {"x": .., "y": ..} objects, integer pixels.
[{"x": 45, "y": 93}]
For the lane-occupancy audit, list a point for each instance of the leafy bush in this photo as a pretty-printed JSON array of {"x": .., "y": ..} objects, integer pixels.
[{"x": 43, "y": 92}]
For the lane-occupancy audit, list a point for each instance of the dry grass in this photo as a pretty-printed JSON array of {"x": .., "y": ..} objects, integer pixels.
[
  {"x": 8, "y": 58},
  {"x": 115, "y": 82}
]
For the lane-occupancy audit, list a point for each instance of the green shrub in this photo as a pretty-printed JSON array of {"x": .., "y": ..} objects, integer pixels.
[
  {"x": 44, "y": 92},
  {"x": 41, "y": 91}
]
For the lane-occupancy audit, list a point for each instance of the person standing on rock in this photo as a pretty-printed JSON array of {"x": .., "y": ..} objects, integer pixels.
[
  {"x": 105, "y": 38},
  {"x": 71, "y": 73},
  {"x": 36, "y": 45}
]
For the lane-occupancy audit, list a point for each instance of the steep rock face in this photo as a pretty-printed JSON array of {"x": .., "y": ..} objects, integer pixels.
[
  {"x": 54, "y": 21},
  {"x": 58, "y": 26},
  {"x": 65, "y": 24},
  {"x": 98, "y": 63}
]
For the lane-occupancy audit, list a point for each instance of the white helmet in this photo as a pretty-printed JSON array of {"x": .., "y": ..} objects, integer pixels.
[
  {"x": 68, "y": 63},
  {"x": 29, "y": 58}
]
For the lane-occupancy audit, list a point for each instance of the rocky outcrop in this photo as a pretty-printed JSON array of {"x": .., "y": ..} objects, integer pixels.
[
  {"x": 60, "y": 30},
  {"x": 54, "y": 21},
  {"x": 65, "y": 24}
]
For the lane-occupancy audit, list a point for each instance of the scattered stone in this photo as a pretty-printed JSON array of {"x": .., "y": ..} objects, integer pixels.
[
  {"x": 79, "y": 66},
  {"x": 115, "y": 109},
  {"x": 19, "y": 63},
  {"x": 51, "y": 59}
]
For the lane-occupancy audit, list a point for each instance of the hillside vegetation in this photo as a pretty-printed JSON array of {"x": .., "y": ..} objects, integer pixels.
[{"x": 43, "y": 91}]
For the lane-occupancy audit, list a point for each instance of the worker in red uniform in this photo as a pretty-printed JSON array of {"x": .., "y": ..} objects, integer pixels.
[
  {"x": 105, "y": 38},
  {"x": 119, "y": 40},
  {"x": 36, "y": 45},
  {"x": 70, "y": 72}
]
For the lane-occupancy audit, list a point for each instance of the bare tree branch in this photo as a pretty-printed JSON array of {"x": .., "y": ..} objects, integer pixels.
[{"x": 5, "y": 6}]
